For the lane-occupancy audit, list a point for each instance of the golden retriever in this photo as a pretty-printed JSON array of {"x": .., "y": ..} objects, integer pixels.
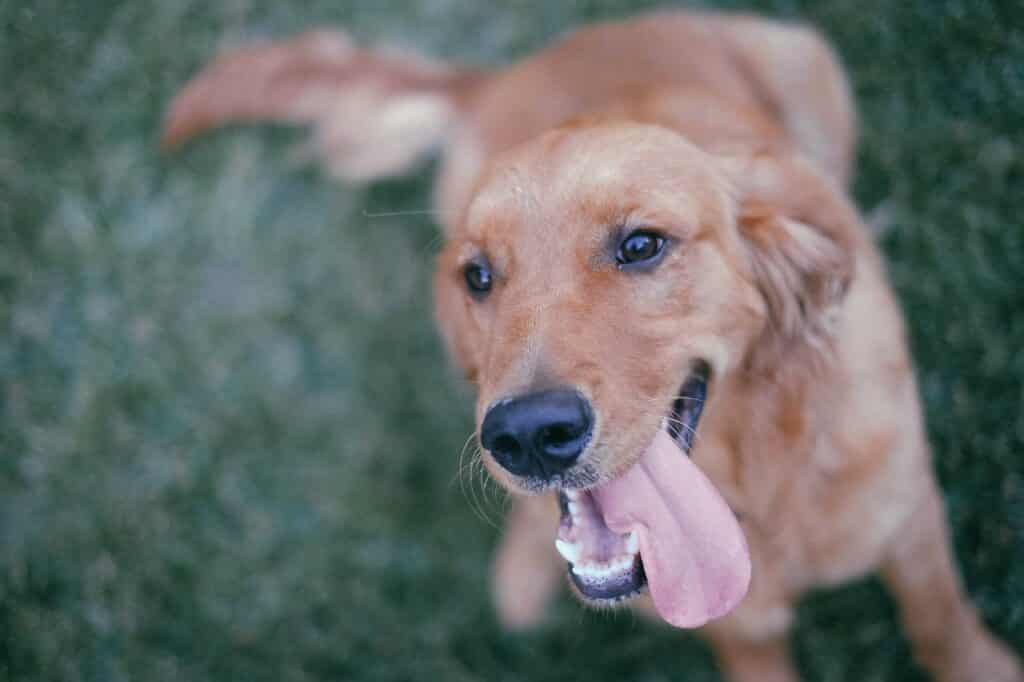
[{"x": 685, "y": 349}]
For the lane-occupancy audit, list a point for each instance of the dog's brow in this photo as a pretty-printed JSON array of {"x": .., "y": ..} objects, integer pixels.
[
  {"x": 521, "y": 190},
  {"x": 598, "y": 173},
  {"x": 510, "y": 189}
]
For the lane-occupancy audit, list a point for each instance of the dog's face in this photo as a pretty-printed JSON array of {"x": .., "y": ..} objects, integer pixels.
[
  {"x": 603, "y": 276},
  {"x": 604, "y": 261}
]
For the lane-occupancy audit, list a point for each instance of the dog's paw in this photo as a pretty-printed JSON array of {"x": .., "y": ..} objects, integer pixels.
[{"x": 992, "y": 661}]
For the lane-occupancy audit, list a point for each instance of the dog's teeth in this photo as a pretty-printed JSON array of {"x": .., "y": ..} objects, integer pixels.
[
  {"x": 632, "y": 542},
  {"x": 579, "y": 515},
  {"x": 569, "y": 551},
  {"x": 591, "y": 569},
  {"x": 572, "y": 494}
]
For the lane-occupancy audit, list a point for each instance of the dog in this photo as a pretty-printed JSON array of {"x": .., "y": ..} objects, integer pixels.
[{"x": 685, "y": 350}]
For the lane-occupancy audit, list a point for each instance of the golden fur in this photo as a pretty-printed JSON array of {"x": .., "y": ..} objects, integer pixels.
[{"x": 735, "y": 137}]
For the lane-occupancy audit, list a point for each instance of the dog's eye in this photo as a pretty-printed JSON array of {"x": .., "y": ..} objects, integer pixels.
[
  {"x": 478, "y": 278},
  {"x": 641, "y": 246}
]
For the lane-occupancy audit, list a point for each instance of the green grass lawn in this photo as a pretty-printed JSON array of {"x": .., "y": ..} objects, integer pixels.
[{"x": 229, "y": 439}]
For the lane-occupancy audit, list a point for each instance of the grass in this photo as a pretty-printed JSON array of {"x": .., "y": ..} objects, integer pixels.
[{"x": 228, "y": 435}]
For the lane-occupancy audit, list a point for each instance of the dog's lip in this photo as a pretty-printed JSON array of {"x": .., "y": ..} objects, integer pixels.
[
  {"x": 688, "y": 406},
  {"x": 618, "y": 587},
  {"x": 621, "y": 577}
]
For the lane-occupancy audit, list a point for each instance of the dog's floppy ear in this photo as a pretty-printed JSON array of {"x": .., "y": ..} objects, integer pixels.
[
  {"x": 800, "y": 270},
  {"x": 799, "y": 236}
]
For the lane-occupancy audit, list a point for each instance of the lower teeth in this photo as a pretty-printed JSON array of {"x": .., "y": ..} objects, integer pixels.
[
  {"x": 604, "y": 570},
  {"x": 571, "y": 552}
]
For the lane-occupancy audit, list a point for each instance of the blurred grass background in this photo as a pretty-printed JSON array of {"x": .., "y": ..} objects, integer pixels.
[{"x": 228, "y": 436}]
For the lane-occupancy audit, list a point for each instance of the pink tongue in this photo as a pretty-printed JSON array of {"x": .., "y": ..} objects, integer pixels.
[{"x": 694, "y": 553}]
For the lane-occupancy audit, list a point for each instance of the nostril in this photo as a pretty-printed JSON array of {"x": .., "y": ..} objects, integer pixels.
[
  {"x": 506, "y": 445},
  {"x": 562, "y": 441},
  {"x": 558, "y": 434}
]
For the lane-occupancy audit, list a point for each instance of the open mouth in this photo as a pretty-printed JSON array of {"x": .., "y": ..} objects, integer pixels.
[{"x": 661, "y": 524}]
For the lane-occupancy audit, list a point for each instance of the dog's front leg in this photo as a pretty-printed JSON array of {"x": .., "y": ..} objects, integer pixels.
[
  {"x": 943, "y": 627},
  {"x": 749, "y": 660},
  {"x": 752, "y": 643},
  {"x": 527, "y": 569}
]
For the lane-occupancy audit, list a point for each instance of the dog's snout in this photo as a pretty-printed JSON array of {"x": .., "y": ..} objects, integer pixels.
[{"x": 538, "y": 434}]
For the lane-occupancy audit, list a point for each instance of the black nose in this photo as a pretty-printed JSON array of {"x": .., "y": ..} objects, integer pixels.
[{"x": 538, "y": 434}]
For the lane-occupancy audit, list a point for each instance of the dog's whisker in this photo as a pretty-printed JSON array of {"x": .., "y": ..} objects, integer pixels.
[
  {"x": 687, "y": 398},
  {"x": 680, "y": 423},
  {"x": 392, "y": 214},
  {"x": 464, "y": 474},
  {"x": 487, "y": 489},
  {"x": 467, "y": 470},
  {"x": 461, "y": 465},
  {"x": 686, "y": 427},
  {"x": 470, "y": 473},
  {"x": 484, "y": 479},
  {"x": 478, "y": 487}
]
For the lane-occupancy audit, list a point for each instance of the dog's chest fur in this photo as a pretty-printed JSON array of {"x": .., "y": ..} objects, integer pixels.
[{"x": 840, "y": 444}]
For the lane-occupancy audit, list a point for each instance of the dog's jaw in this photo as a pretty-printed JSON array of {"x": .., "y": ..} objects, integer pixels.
[{"x": 606, "y": 567}]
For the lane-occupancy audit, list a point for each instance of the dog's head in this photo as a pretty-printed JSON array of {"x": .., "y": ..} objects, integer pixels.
[{"x": 603, "y": 279}]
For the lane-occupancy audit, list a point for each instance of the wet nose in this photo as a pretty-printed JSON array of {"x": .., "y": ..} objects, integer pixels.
[{"x": 538, "y": 434}]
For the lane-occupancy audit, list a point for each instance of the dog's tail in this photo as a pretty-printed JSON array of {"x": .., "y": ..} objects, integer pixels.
[{"x": 374, "y": 112}]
